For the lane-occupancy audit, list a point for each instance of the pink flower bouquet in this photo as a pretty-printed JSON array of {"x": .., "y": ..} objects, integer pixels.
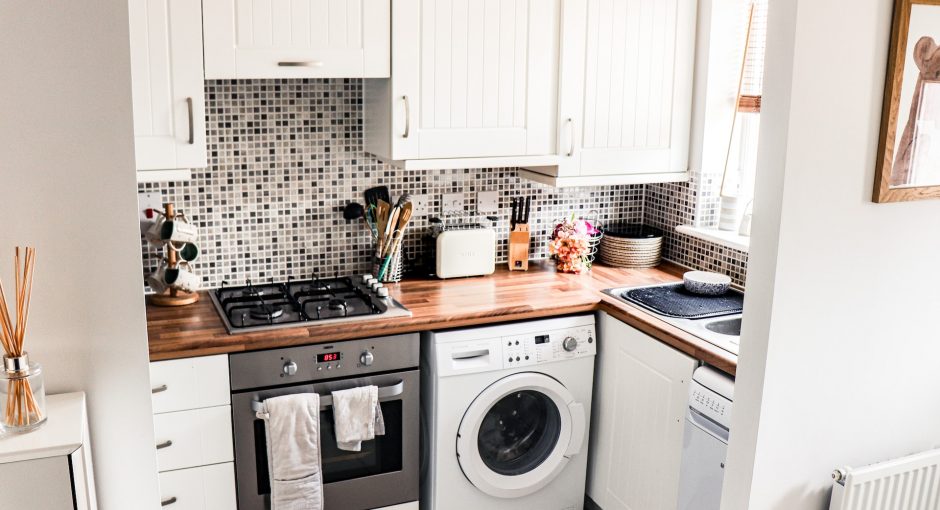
[{"x": 572, "y": 246}]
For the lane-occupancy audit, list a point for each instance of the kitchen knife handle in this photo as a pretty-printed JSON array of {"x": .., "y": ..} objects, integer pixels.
[{"x": 528, "y": 207}]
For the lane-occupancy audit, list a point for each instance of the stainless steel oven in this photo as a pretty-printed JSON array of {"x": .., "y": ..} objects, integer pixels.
[{"x": 385, "y": 472}]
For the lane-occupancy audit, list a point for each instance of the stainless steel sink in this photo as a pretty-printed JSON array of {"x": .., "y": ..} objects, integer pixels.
[
  {"x": 730, "y": 327},
  {"x": 724, "y": 331}
]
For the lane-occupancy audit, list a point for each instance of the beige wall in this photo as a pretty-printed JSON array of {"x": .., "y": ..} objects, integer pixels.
[
  {"x": 840, "y": 345},
  {"x": 67, "y": 187}
]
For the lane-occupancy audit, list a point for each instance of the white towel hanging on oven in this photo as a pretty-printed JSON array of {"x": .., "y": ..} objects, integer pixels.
[
  {"x": 357, "y": 417},
  {"x": 293, "y": 438}
]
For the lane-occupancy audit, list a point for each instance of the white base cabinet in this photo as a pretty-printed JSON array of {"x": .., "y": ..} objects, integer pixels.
[
  {"x": 168, "y": 85},
  {"x": 296, "y": 38},
  {"x": 641, "y": 396},
  {"x": 193, "y": 431},
  {"x": 202, "y": 488}
]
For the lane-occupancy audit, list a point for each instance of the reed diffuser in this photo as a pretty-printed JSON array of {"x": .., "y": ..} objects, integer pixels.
[{"x": 21, "y": 382}]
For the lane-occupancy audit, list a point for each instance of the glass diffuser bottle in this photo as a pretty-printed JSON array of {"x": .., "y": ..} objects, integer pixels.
[{"x": 22, "y": 394}]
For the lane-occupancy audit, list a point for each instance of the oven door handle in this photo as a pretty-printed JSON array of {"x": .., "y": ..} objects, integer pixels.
[{"x": 385, "y": 393}]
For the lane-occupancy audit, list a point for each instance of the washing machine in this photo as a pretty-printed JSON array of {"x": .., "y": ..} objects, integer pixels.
[{"x": 506, "y": 414}]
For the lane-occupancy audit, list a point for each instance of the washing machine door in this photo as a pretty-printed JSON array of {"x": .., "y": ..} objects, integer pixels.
[{"x": 518, "y": 435}]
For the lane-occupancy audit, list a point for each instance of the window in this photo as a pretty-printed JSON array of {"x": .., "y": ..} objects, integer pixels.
[{"x": 741, "y": 165}]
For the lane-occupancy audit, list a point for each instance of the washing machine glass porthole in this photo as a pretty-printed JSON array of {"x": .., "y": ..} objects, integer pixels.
[{"x": 519, "y": 432}]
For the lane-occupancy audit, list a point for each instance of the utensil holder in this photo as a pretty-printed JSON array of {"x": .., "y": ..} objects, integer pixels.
[
  {"x": 394, "y": 271},
  {"x": 23, "y": 395},
  {"x": 519, "y": 240}
]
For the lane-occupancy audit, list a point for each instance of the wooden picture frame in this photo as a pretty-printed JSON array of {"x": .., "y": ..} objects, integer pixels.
[{"x": 906, "y": 171}]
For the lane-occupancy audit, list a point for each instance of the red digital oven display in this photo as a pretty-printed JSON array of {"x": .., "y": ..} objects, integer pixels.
[{"x": 327, "y": 357}]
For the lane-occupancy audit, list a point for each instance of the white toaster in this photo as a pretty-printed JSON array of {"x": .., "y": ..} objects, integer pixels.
[{"x": 470, "y": 252}]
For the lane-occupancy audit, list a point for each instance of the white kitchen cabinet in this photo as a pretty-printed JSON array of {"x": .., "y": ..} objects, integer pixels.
[
  {"x": 625, "y": 99},
  {"x": 296, "y": 38},
  {"x": 641, "y": 396},
  {"x": 168, "y": 86},
  {"x": 470, "y": 79},
  {"x": 192, "y": 424},
  {"x": 202, "y": 488}
]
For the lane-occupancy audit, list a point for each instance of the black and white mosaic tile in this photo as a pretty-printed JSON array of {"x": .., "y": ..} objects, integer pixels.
[{"x": 285, "y": 157}]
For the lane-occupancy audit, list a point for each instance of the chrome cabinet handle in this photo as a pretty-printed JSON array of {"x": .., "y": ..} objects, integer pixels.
[
  {"x": 300, "y": 63},
  {"x": 169, "y": 501},
  {"x": 165, "y": 444},
  {"x": 192, "y": 131},
  {"x": 407, "y": 116},
  {"x": 158, "y": 389},
  {"x": 570, "y": 137}
]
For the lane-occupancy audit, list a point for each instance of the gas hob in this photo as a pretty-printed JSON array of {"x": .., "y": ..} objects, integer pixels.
[{"x": 260, "y": 307}]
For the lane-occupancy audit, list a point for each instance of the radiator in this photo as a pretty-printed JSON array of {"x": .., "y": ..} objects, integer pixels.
[{"x": 908, "y": 483}]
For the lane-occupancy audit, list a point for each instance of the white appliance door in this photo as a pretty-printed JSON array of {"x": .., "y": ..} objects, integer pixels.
[
  {"x": 703, "y": 464},
  {"x": 518, "y": 435}
]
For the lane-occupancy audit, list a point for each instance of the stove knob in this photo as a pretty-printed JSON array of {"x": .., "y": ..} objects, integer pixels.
[
  {"x": 382, "y": 292},
  {"x": 366, "y": 358},
  {"x": 289, "y": 368},
  {"x": 366, "y": 277},
  {"x": 376, "y": 286},
  {"x": 570, "y": 343}
]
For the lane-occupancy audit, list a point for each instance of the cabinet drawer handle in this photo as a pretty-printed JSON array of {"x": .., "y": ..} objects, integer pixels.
[
  {"x": 192, "y": 128},
  {"x": 407, "y": 116},
  {"x": 165, "y": 444},
  {"x": 570, "y": 137},
  {"x": 301, "y": 63},
  {"x": 167, "y": 502},
  {"x": 158, "y": 389}
]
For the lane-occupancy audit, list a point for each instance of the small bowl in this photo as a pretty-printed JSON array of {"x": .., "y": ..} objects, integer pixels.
[{"x": 705, "y": 283}]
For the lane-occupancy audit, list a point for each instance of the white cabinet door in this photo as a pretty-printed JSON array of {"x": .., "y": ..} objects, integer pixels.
[
  {"x": 631, "y": 112},
  {"x": 193, "y": 438},
  {"x": 189, "y": 383},
  {"x": 641, "y": 396},
  {"x": 470, "y": 79},
  {"x": 297, "y": 38},
  {"x": 167, "y": 81},
  {"x": 202, "y": 488}
]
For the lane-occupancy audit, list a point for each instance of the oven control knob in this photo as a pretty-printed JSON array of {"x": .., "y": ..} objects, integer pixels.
[
  {"x": 570, "y": 343},
  {"x": 366, "y": 277},
  {"x": 366, "y": 358},
  {"x": 382, "y": 292},
  {"x": 289, "y": 368}
]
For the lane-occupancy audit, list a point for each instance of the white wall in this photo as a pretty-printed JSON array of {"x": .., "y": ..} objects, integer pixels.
[
  {"x": 67, "y": 186},
  {"x": 840, "y": 345}
]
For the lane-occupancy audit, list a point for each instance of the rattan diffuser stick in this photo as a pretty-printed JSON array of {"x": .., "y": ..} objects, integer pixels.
[{"x": 21, "y": 408}]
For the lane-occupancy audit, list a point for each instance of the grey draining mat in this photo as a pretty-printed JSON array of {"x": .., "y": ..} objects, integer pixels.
[{"x": 675, "y": 301}]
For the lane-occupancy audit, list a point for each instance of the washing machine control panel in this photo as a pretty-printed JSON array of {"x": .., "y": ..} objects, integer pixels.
[{"x": 548, "y": 346}]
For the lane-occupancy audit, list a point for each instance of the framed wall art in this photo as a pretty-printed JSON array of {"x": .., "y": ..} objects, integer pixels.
[{"x": 909, "y": 146}]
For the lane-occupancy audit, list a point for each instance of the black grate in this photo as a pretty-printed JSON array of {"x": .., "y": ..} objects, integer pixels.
[{"x": 676, "y": 301}]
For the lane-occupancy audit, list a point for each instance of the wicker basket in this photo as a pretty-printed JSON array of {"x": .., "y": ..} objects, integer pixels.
[{"x": 631, "y": 246}]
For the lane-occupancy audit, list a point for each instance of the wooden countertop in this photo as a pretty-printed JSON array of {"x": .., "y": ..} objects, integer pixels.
[{"x": 197, "y": 330}]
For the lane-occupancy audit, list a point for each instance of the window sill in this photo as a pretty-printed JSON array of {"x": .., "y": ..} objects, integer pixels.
[{"x": 720, "y": 237}]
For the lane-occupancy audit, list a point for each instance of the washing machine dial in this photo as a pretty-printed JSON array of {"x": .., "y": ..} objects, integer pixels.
[{"x": 570, "y": 343}]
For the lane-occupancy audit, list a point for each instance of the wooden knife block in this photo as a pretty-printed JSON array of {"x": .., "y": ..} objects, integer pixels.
[{"x": 519, "y": 239}]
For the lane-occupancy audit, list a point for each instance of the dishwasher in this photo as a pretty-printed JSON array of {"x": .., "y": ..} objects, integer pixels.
[{"x": 705, "y": 443}]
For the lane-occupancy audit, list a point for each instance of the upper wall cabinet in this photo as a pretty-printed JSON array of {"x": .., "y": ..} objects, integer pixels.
[
  {"x": 625, "y": 100},
  {"x": 297, "y": 38},
  {"x": 167, "y": 85},
  {"x": 470, "y": 79}
]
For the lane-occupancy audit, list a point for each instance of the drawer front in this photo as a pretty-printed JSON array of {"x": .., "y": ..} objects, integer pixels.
[
  {"x": 188, "y": 439},
  {"x": 202, "y": 488},
  {"x": 190, "y": 383}
]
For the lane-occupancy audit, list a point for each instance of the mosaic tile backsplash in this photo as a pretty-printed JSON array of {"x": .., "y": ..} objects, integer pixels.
[{"x": 285, "y": 157}]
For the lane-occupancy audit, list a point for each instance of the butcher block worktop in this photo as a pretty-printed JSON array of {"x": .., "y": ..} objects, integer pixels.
[{"x": 197, "y": 330}]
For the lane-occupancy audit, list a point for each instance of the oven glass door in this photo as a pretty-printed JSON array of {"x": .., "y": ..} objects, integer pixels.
[{"x": 384, "y": 473}]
